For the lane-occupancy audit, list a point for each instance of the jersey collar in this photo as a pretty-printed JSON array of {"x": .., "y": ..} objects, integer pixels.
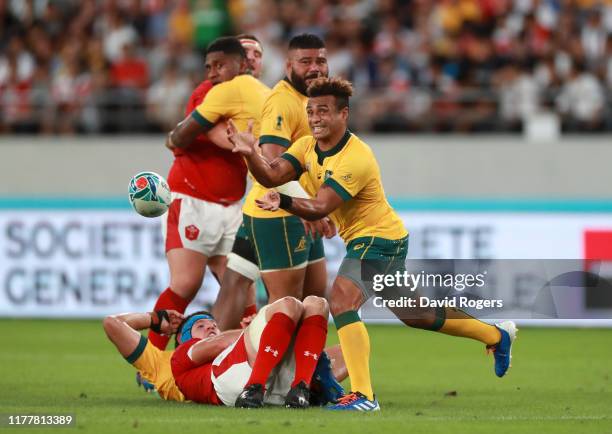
[{"x": 321, "y": 155}]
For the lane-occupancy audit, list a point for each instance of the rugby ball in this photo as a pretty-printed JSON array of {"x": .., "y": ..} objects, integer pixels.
[{"x": 149, "y": 194}]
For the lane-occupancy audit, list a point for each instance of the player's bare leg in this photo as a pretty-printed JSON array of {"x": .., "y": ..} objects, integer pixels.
[
  {"x": 315, "y": 281},
  {"x": 450, "y": 321},
  {"x": 217, "y": 265},
  {"x": 284, "y": 283},
  {"x": 235, "y": 294},
  {"x": 454, "y": 322},
  {"x": 187, "y": 269},
  {"x": 337, "y": 362}
]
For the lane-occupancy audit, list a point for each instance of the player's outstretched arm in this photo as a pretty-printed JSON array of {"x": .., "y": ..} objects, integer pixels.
[
  {"x": 326, "y": 202},
  {"x": 206, "y": 350},
  {"x": 323, "y": 227},
  {"x": 122, "y": 330},
  {"x": 267, "y": 173}
]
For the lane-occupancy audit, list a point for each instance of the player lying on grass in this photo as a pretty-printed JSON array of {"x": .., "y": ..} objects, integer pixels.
[
  {"x": 347, "y": 186},
  {"x": 155, "y": 364},
  {"x": 272, "y": 361},
  {"x": 152, "y": 363}
]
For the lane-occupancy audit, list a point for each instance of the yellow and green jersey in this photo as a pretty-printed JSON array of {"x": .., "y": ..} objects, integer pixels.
[
  {"x": 283, "y": 121},
  {"x": 239, "y": 99},
  {"x": 155, "y": 366},
  {"x": 351, "y": 169}
]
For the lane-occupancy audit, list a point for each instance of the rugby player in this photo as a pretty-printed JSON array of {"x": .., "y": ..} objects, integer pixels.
[
  {"x": 240, "y": 98},
  {"x": 154, "y": 364},
  {"x": 206, "y": 181},
  {"x": 236, "y": 299},
  {"x": 254, "y": 53},
  {"x": 291, "y": 260},
  {"x": 238, "y": 368},
  {"x": 346, "y": 176}
]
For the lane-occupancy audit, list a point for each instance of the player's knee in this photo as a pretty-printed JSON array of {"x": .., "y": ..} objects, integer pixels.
[
  {"x": 291, "y": 306},
  {"x": 314, "y": 305}
]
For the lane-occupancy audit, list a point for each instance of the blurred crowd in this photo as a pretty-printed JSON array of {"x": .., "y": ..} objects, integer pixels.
[{"x": 108, "y": 66}]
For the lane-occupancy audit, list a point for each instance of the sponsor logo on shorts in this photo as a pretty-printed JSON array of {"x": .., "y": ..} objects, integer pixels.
[
  {"x": 301, "y": 245},
  {"x": 359, "y": 246},
  {"x": 192, "y": 232}
]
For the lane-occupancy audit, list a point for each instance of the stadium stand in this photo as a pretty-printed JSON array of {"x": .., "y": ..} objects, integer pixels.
[{"x": 122, "y": 66}]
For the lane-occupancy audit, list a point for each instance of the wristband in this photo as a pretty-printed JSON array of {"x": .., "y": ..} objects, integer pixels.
[
  {"x": 285, "y": 201},
  {"x": 157, "y": 317}
]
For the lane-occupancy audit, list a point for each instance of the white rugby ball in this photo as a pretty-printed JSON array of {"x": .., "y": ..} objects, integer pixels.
[{"x": 149, "y": 194}]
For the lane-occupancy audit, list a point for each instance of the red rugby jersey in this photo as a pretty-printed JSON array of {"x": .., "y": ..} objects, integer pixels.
[
  {"x": 193, "y": 380},
  {"x": 205, "y": 171}
]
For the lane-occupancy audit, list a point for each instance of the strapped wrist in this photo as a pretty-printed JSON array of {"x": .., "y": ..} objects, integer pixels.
[
  {"x": 285, "y": 201},
  {"x": 157, "y": 317}
]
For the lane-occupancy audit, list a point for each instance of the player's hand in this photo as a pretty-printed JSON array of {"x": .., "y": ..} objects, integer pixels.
[
  {"x": 270, "y": 201},
  {"x": 244, "y": 142},
  {"x": 174, "y": 321},
  {"x": 245, "y": 321},
  {"x": 313, "y": 228},
  {"x": 323, "y": 228},
  {"x": 329, "y": 228}
]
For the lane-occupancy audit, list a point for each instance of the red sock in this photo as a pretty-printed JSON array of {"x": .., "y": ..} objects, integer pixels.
[
  {"x": 309, "y": 344},
  {"x": 167, "y": 300},
  {"x": 274, "y": 341}
]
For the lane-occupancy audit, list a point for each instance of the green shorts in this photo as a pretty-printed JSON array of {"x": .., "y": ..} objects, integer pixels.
[
  {"x": 369, "y": 256},
  {"x": 280, "y": 243}
]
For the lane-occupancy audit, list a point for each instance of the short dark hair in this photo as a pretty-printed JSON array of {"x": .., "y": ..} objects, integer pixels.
[
  {"x": 338, "y": 87},
  {"x": 306, "y": 41},
  {"x": 179, "y": 330},
  {"x": 227, "y": 45}
]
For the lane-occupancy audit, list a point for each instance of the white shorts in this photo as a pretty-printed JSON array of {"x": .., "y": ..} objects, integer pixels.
[
  {"x": 195, "y": 224},
  {"x": 231, "y": 370}
]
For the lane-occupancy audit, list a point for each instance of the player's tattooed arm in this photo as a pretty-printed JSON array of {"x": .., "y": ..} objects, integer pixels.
[
  {"x": 267, "y": 173},
  {"x": 326, "y": 201},
  {"x": 206, "y": 350}
]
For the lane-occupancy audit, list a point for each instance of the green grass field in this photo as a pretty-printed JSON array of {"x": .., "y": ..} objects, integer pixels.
[{"x": 561, "y": 381}]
